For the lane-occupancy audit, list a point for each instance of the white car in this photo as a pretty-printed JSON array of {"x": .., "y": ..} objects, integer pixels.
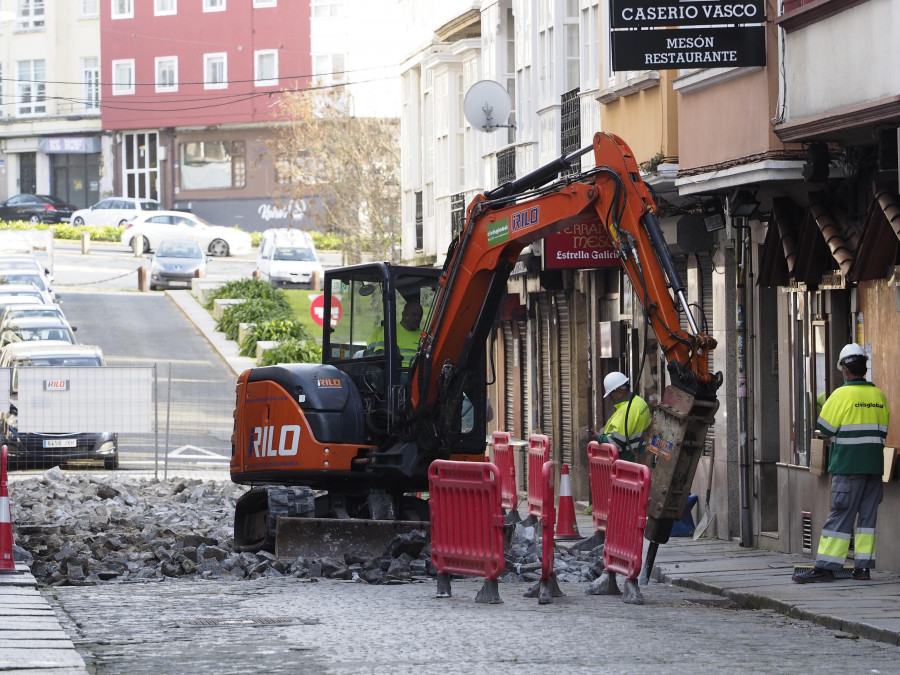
[
  {"x": 114, "y": 211},
  {"x": 287, "y": 258},
  {"x": 153, "y": 227}
]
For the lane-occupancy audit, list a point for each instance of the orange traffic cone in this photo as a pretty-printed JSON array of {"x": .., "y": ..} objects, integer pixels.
[
  {"x": 566, "y": 527},
  {"x": 7, "y": 562}
]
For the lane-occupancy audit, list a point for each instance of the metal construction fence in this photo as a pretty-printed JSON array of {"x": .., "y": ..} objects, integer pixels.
[{"x": 165, "y": 418}]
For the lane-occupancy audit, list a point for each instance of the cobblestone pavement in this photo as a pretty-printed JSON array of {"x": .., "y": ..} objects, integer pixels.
[{"x": 294, "y": 626}]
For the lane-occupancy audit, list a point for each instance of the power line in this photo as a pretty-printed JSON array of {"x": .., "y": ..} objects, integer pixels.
[
  {"x": 312, "y": 76},
  {"x": 235, "y": 98}
]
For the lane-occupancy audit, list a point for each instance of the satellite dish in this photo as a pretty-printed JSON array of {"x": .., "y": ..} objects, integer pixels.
[{"x": 486, "y": 105}]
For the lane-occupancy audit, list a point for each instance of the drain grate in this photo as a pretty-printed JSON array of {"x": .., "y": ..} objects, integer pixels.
[{"x": 244, "y": 623}]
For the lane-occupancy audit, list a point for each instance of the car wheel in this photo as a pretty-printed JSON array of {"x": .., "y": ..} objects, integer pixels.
[
  {"x": 218, "y": 248},
  {"x": 146, "y": 245},
  {"x": 78, "y": 222},
  {"x": 35, "y": 219}
]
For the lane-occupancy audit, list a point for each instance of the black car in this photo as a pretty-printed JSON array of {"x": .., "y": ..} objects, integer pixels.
[{"x": 36, "y": 209}]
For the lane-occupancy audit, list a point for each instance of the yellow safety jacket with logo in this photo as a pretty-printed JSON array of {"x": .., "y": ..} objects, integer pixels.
[
  {"x": 856, "y": 415},
  {"x": 628, "y": 440},
  {"x": 407, "y": 342}
]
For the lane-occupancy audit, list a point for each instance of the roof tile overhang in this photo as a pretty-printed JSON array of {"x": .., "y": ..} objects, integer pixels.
[
  {"x": 779, "y": 248},
  {"x": 880, "y": 243},
  {"x": 809, "y": 243}
]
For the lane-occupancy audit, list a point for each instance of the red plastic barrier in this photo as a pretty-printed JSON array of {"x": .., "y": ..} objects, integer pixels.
[
  {"x": 506, "y": 464},
  {"x": 466, "y": 520},
  {"x": 601, "y": 457},
  {"x": 548, "y": 519},
  {"x": 538, "y": 454},
  {"x": 627, "y": 518}
]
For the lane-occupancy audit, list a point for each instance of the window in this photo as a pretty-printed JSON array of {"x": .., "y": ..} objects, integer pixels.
[
  {"x": 213, "y": 164},
  {"x": 165, "y": 7},
  {"x": 167, "y": 73},
  {"x": 90, "y": 77},
  {"x": 266, "y": 67},
  {"x": 215, "y": 71},
  {"x": 122, "y": 9},
  {"x": 32, "y": 88},
  {"x": 572, "y": 46},
  {"x": 88, "y": 9},
  {"x": 283, "y": 171},
  {"x": 265, "y": 3},
  {"x": 123, "y": 77},
  {"x": 213, "y": 5},
  {"x": 30, "y": 15}
]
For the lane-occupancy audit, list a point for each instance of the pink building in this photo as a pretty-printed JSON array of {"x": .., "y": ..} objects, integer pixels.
[{"x": 190, "y": 88}]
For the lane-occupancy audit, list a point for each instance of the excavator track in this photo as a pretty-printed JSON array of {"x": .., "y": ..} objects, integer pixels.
[{"x": 258, "y": 510}]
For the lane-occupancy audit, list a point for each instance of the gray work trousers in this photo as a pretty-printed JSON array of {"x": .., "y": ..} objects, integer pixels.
[{"x": 851, "y": 496}]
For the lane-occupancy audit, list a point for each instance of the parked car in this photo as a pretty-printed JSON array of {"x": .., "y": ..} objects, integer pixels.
[
  {"x": 36, "y": 209},
  {"x": 30, "y": 292},
  {"x": 17, "y": 311},
  {"x": 36, "y": 328},
  {"x": 287, "y": 258},
  {"x": 32, "y": 450},
  {"x": 155, "y": 227},
  {"x": 19, "y": 277},
  {"x": 114, "y": 211},
  {"x": 175, "y": 263}
]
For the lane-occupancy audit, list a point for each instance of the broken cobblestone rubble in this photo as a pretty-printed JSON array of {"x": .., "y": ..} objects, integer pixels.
[{"x": 80, "y": 529}]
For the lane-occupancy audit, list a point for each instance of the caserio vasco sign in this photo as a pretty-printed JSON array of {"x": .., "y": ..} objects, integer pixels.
[
  {"x": 658, "y": 14},
  {"x": 657, "y": 39}
]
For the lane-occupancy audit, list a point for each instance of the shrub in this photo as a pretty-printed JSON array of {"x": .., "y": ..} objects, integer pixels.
[
  {"x": 249, "y": 289},
  {"x": 67, "y": 231},
  {"x": 279, "y": 329},
  {"x": 254, "y": 311},
  {"x": 326, "y": 242},
  {"x": 293, "y": 351}
]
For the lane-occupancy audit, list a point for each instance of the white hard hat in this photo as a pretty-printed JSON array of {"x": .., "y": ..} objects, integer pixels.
[
  {"x": 613, "y": 381},
  {"x": 851, "y": 351}
]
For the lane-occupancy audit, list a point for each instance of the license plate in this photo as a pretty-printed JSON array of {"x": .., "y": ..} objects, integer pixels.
[{"x": 61, "y": 443}]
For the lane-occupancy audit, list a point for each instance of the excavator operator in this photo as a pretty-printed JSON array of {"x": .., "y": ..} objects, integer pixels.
[{"x": 408, "y": 334}]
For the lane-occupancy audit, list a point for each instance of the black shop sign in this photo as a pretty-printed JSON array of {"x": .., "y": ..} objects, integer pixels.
[
  {"x": 663, "y": 13},
  {"x": 669, "y": 49}
]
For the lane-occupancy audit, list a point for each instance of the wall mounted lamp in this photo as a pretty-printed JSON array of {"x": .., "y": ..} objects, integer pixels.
[{"x": 743, "y": 205}]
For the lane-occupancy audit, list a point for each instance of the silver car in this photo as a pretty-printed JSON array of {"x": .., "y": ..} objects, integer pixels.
[{"x": 175, "y": 263}]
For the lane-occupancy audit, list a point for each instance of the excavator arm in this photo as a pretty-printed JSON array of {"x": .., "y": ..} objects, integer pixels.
[{"x": 500, "y": 223}]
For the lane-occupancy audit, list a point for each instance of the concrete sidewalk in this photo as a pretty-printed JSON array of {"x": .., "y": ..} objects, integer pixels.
[
  {"x": 759, "y": 579},
  {"x": 31, "y": 638}
]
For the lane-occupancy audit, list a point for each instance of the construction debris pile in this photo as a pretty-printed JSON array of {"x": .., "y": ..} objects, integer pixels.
[{"x": 78, "y": 529}]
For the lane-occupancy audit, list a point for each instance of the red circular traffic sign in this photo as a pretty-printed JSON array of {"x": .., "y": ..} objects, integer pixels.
[{"x": 317, "y": 310}]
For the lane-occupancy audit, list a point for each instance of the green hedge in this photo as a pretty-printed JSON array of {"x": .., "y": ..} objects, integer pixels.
[
  {"x": 66, "y": 231},
  {"x": 292, "y": 351},
  {"x": 248, "y": 289},
  {"x": 273, "y": 329}
]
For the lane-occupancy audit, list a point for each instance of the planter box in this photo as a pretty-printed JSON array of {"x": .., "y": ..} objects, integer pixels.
[{"x": 262, "y": 347}]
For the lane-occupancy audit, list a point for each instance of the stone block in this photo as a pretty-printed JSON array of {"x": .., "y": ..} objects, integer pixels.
[
  {"x": 220, "y": 305},
  {"x": 262, "y": 346}
]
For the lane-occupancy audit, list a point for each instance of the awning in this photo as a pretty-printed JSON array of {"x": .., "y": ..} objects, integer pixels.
[{"x": 880, "y": 243}]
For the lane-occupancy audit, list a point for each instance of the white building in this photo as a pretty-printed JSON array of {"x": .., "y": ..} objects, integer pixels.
[
  {"x": 50, "y": 140},
  {"x": 358, "y": 44},
  {"x": 546, "y": 55}
]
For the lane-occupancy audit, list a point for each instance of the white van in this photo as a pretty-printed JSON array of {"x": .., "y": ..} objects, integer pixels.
[{"x": 287, "y": 258}]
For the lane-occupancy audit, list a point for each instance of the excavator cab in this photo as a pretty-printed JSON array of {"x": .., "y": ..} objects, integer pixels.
[{"x": 377, "y": 315}]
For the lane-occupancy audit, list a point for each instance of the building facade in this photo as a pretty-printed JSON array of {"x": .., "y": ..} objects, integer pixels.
[
  {"x": 50, "y": 124},
  {"x": 190, "y": 95}
]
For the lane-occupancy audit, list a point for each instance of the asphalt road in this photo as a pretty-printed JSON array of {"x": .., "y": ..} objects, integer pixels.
[{"x": 195, "y": 388}]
